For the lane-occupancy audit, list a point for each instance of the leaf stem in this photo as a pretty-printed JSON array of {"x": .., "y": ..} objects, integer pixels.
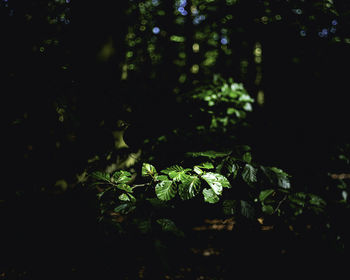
[
  {"x": 141, "y": 185},
  {"x": 280, "y": 203}
]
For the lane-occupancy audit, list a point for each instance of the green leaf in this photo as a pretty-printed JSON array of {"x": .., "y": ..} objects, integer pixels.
[
  {"x": 176, "y": 173},
  {"x": 206, "y": 165},
  {"x": 229, "y": 207},
  {"x": 161, "y": 178},
  {"x": 248, "y": 107},
  {"x": 268, "y": 209},
  {"x": 169, "y": 226},
  {"x": 216, "y": 181},
  {"x": 269, "y": 173},
  {"x": 265, "y": 194},
  {"x": 125, "y": 187},
  {"x": 317, "y": 203},
  {"x": 282, "y": 178},
  {"x": 213, "y": 182},
  {"x": 316, "y": 200},
  {"x": 176, "y": 168},
  {"x": 247, "y": 210},
  {"x": 121, "y": 207},
  {"x": 234, "y": 170},
  {"x": 230, "y": 111},
  {"x": 189, "y": 187},
  {"x": 177, "y": 176},
  {"x": 208, "y": 154},
  {"x": 249, "y": 174},
  {"x": 121, "y": 176},
  {"x": 228, "y": 167},
  {"x": 247, "y": 157},
  {"x": 125, "y": 208},
  {"x": 210, "y": 196},
  {"x": 197, "y": 170},
  {"x": 277, "y": 176},
  {"x": 278, "y": 171},
  {"x": 98, "y": 175},
  {"x": 243, "y": 148},
  {"x": 283, "y": 182},
  {"x": 148, "y": 170},
  {"x": 99, "y": 195},
  {"x": 165, "y": 190},
  {"x": 223, "y": 181},
  {"x": 144, "y": 226},
  {"x": 126, "y": 197},
  {"x": 298, "y": 198}
]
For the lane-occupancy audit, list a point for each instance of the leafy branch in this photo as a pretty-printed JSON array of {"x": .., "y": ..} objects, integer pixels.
[{"x": 243, "y": 187}]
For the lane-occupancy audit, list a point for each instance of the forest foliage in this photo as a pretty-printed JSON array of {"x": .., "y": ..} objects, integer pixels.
[{"x": 154, "y": 103}]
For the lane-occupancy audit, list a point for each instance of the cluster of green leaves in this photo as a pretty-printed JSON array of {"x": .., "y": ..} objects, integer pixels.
[
  {"x": 263, "y": 190},
  {"x": 118, "y": 181},
  {"x": 187, "y": 182},
  {"x": 243, "y": 187},
  {"x": 226, "y": 102}
]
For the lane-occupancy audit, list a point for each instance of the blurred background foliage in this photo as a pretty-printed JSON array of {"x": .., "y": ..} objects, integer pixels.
[{"x": 74, "y": 75}]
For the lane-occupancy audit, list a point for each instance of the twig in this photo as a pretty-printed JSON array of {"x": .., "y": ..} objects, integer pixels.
[
  {"x": 141, "y": 185},
  {"x": 280, "y": 203}
]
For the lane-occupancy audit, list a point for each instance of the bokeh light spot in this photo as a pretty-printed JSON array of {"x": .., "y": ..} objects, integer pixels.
[
  {"x": 156, "y": 30},
  {"x": 224, "y": 41},
  {"x": 195, "y": 47},
  {"x": 195, "y": 68}
]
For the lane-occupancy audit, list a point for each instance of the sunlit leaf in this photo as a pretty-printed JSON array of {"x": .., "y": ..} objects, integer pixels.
[
  {"x": 206, "y": 165},
  {"x": 165, "y": 190},
  {"x": 98, "y": 175},
  {"x": 190, "y": 187},
  {"x": 198, "y": 170},
  {"x": 176, "y": 173},
  {"x": 234, "y": 169},
  {"x": 213, "y": 182},
  {"x": 265, "y": 194},
  {"x": 124, "y": 187},
  {"x": 176, "y": 168},
  {"x": 282, "y": 178},
  {"x": 126, "y": 197},
  {"x": 161, "y": 178},
  {"x": 283, "y": 182},
  {"x": 249, "y": 174},
  {"x": 148, "y": 170},
  {"x": 176, "y": 176},
  {"x": 210, "y": 196},
  {"x": 208, "y": 154},
  {"x": 216, "y": 181},
  {"x": 121, "y": 177}
]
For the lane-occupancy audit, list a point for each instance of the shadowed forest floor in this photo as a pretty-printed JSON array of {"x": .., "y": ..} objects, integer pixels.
[{"x": 62, "y": 246}]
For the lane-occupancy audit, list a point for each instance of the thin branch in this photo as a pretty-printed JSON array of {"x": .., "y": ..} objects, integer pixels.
[
  {"x": 141, "y": 185},
  {"x": 280, "y": 203}
]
